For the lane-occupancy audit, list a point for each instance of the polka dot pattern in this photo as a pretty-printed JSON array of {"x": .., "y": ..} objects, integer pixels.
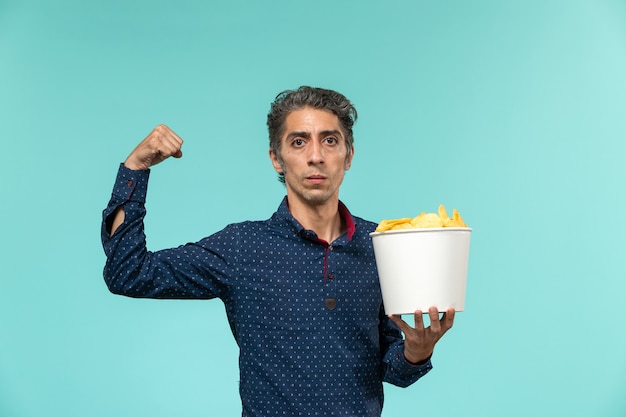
[{"x": 307, "y": 315}]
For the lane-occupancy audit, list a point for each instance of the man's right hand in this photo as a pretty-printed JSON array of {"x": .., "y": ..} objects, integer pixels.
[{"x": 159, "y": 145}]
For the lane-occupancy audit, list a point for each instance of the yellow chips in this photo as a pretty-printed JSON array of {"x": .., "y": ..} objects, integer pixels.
[{"x": 424, "y": 220}]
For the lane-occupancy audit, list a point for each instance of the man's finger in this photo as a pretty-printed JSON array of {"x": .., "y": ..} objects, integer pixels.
[
  {"x": 435, "y": 324},
  {"x": 419, "y": 320},
  {"x": 403, "y": 325},
  {"x": 169, "y": 132},
  {"x": 173, "y": 139},
  {"x": 448, "y": 319}
]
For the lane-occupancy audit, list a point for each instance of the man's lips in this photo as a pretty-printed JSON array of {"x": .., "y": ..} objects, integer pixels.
[{"x": 316, "y": 178}]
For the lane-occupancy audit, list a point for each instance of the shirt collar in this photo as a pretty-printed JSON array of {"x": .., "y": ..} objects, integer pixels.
[
  {"x": 284, "y": 214},
  {"x": 347, "y": 218}
]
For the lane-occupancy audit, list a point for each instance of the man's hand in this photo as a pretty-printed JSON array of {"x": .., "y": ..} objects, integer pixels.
[
  {"x": 419, "y": 342},
  {"x": 159, "y": 145}
]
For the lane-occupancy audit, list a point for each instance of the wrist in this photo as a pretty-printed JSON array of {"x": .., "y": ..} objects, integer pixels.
[
  {"x": 417, "y": 360},
  {"x": 134, "y": 166}
]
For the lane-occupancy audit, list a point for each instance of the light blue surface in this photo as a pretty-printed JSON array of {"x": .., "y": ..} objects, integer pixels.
[{"x": 512, "y": 112}]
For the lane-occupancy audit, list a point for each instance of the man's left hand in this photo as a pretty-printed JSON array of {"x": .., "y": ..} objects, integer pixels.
[{"x": 419, "y": 342}]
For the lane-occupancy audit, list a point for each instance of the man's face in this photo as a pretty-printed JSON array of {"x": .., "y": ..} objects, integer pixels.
[{"x": 313, "y": 154}]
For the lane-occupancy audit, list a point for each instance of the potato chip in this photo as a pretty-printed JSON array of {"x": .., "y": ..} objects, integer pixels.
[
  {"x": 457, "y": 220},
  {"x": 427, "y": 220},
  {"x": 390, "y": 224},
  {"x": 424, "y": 220}
]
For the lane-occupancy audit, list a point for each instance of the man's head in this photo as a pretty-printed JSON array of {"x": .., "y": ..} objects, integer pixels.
[{"x": 317, "y": 98}]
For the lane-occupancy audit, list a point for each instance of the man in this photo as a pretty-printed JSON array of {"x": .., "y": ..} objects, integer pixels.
[{"x": 301, "y": 289}]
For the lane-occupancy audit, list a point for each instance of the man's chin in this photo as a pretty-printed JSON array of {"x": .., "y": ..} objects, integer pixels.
[
  {"x": 317, "y": 197},
  {"x": 312, "y": 194}
]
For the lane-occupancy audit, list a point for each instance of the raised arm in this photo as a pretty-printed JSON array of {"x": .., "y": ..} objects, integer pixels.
[
  {"x": 159, "y": 145},
  {"x": 187, "y": 271}
]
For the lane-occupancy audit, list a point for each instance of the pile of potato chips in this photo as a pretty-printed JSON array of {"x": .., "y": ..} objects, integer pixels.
[{"x": 424, "y": 220}]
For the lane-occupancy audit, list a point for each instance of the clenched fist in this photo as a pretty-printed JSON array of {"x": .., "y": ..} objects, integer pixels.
[{"x": 159, "y": 145}]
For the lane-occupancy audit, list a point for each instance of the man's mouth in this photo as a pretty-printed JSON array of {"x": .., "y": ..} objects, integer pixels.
[{"x": 316, "y": 179}]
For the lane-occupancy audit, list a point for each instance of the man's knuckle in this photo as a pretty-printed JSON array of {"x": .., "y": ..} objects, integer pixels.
[{"x": 160, "y": 129}]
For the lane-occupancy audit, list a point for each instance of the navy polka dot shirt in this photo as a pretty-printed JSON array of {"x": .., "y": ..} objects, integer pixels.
[{"x": 307, "y": 315}]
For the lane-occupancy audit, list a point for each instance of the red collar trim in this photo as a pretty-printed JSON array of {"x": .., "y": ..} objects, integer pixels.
[{"x": 347, "y": 217}]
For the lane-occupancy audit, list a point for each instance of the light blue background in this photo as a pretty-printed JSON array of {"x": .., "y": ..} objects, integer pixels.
[{"x": 510, "y": 111}]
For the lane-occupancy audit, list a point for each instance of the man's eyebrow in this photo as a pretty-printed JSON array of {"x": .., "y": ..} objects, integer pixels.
[
  {"x": 298, "y": 134},
  {"x": 333, "y": 132},
  {"x": 302, "y": 134}
]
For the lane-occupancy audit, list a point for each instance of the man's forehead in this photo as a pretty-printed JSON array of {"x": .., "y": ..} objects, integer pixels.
[{"x": 312, "y": 120}]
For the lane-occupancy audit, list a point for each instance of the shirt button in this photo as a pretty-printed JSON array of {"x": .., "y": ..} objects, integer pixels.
[
  {"x": 331, "y": 276},
  {"x": 129, "y": 183},
  {"x": 330, "y": 247}
]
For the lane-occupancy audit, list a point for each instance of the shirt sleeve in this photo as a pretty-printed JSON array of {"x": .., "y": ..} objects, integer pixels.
[
  {"x": 189, "y": 271},
  {"x": 396, "y": 369}
]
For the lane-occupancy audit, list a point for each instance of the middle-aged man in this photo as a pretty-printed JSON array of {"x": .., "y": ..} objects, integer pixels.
[{"x": 301, "y": 289}]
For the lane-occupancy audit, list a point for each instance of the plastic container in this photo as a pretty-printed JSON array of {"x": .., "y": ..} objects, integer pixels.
[{"x": 420, "y": 268}]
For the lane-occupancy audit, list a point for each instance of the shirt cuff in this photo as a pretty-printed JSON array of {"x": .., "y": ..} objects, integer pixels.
[
  {"x": 407, "y": 368},
  {"x": 131, "y": 185}
]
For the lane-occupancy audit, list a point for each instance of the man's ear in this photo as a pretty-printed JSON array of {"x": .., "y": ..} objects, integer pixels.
[
  {"x": 348, "y": 162},
  {"x": 278, "y": 167}
]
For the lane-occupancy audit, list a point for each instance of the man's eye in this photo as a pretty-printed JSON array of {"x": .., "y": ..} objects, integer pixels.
[
  {"x": 298, "y": 142},
  {"x": 330, "y": 140}
]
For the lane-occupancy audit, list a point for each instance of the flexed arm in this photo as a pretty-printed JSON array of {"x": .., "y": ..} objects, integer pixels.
[
  {"x": 159, "y": 145},
  {"x": 187, "y": 271}
]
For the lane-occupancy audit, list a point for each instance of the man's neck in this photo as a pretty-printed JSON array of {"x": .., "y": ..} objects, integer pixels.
[{"x": 324, "y": 219}]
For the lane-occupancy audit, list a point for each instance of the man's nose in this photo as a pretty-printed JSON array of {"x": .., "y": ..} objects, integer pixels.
[{"x": 316, "y": 153}]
